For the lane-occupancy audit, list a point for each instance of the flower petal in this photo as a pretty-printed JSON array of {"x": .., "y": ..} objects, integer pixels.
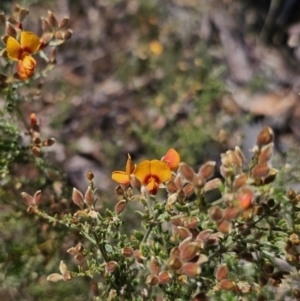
[
  {"x": 160, "y": 170},
  {"x": 121, "y": 177},
  {"x": 152, "y": 186},
  {"x": 30, "y": 42},
  {"x": 172, "y": 158},
  {"x": 29, "y": 62},
  {"x": 129, "y": 165},
  {"x": 14, "y": 50},
  {"x": 143, "y": 171},
  {"x": 24, "y": 73}
]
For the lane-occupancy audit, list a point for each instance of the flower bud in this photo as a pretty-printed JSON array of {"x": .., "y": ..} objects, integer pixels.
[
  {"x": 48, "y": 142},
  {"x": 215, "y": 213},
  {"x": 191, "y": 269},
  {"x": 77, "y": 197},
  {"x": 64, "y": 23},
  {"x": 238, "y": 152},
  {"x": 152, "y": 280},
  {"x": 59, "y": 35},
  {"x": 164, "y": 277},
  {"x": 174, "y": 263},
  {"x": 51, "y": 19},
  {"x": 120, "y": 206},
  {"x": 222, "y": 272},
  {"x": 89, "y": 196},
  {"x": 207, "y": 170},
  {"x": 232, "y": 213},
  {"x": 245, "y": 197},
  {"x": 184, "y": 232},
  {"x": 10, "y": 30},
  {"x": 227, "y": 284},
  {"x": 111, "y": 266},
  {"x": 189, "y": 252},
  {"x": 36, "y": 150},
  {"x": 127, "y": 252},
  {"x": 27, "y": 198},
  {"x": 225, "y": 227},
  {"x": 240, "y": 180},
  {"x": 186, "y": 171},
  {"x": 23, "y": 14},
  {"x": 154, "y": 265},
  {"x": 2, "y": 18},
  {"x": 266, "y": 152},
  {"x": 67, "y": 34},
  {"x": 191, "y": 222},
  {"x": 212, "y": 184},
  {"x": 265, "y": 136}
]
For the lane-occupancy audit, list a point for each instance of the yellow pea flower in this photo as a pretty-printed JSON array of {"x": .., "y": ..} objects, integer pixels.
[
  {"x": 123, "y": 177},
  {"x": 172, "y": 158},
  {"x": 152, "y": 174},
  {"x": 21, "y": 52}
]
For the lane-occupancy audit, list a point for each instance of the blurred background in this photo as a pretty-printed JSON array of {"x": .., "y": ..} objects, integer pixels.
[{"x": 139, "y": 77}]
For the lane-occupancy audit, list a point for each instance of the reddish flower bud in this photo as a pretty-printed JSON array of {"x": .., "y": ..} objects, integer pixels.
[
  {"x": 127, "y": 252},
  {"x": 189, "y": 252},
  {"x": 77, "y": 197},
  {"x": 227, "y": 284},
  {"x": 10, "y": 30},
  {"x": 207, "y": 170},
  {"x": 120, "y": 206},
  {"x": 152, "y": 280},
  {"x": 184, "y": 232},
  {"x": 154, "y": 266},
  {"x": 174, "y": 263},
  {"x": 215, "y": 213},
  {"x": 111, "y": 266},
  {"x": 51, "y": 19},
  {"x": 232, "y": 213},
  {"x": 225, "y": 227},
  {"x": 266, "y": 152},
  {"x": 191, "y": 269},
  {"x": 222, "y": 272},
  {"x": 164, "y": 277},
  {"x": 186, "y": 171},
  {"x": 48, "y": 142},
  {"x": 265, "y": 136},
  {"x": 240, "y": 180},
  {"x": 64, "y": 23},
  {"x": 245, "y": 197},
  {"x": 89, "y": 196},
  {"x": 191, "y": 222}
]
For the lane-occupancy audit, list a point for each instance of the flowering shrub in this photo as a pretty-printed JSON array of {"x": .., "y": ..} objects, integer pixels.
[
  {"x": 203, "y": 235},
  {"x": 241, "y": 243}
]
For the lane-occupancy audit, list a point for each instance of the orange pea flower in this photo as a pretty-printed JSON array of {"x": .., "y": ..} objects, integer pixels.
[
  {"x": 172, "y": 158},
  {"x": 123, "y": 177},
  {"x": 152, "y": 174},
  {"x": 21, "y": 52}
]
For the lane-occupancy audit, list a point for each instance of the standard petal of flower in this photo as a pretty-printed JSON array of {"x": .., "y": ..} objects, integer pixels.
[
  {"x": 54, "y": 277},
  {"x": 14, "y": 50},
  {"x": 160, "y": 170},
  {"x": 29, "y": 62},
  {"x": 121, "y": 177},
  {"x": 172, "y": 158},
  {"x": 143, "y": 170},
  {"x": 30, "y": 42}
]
